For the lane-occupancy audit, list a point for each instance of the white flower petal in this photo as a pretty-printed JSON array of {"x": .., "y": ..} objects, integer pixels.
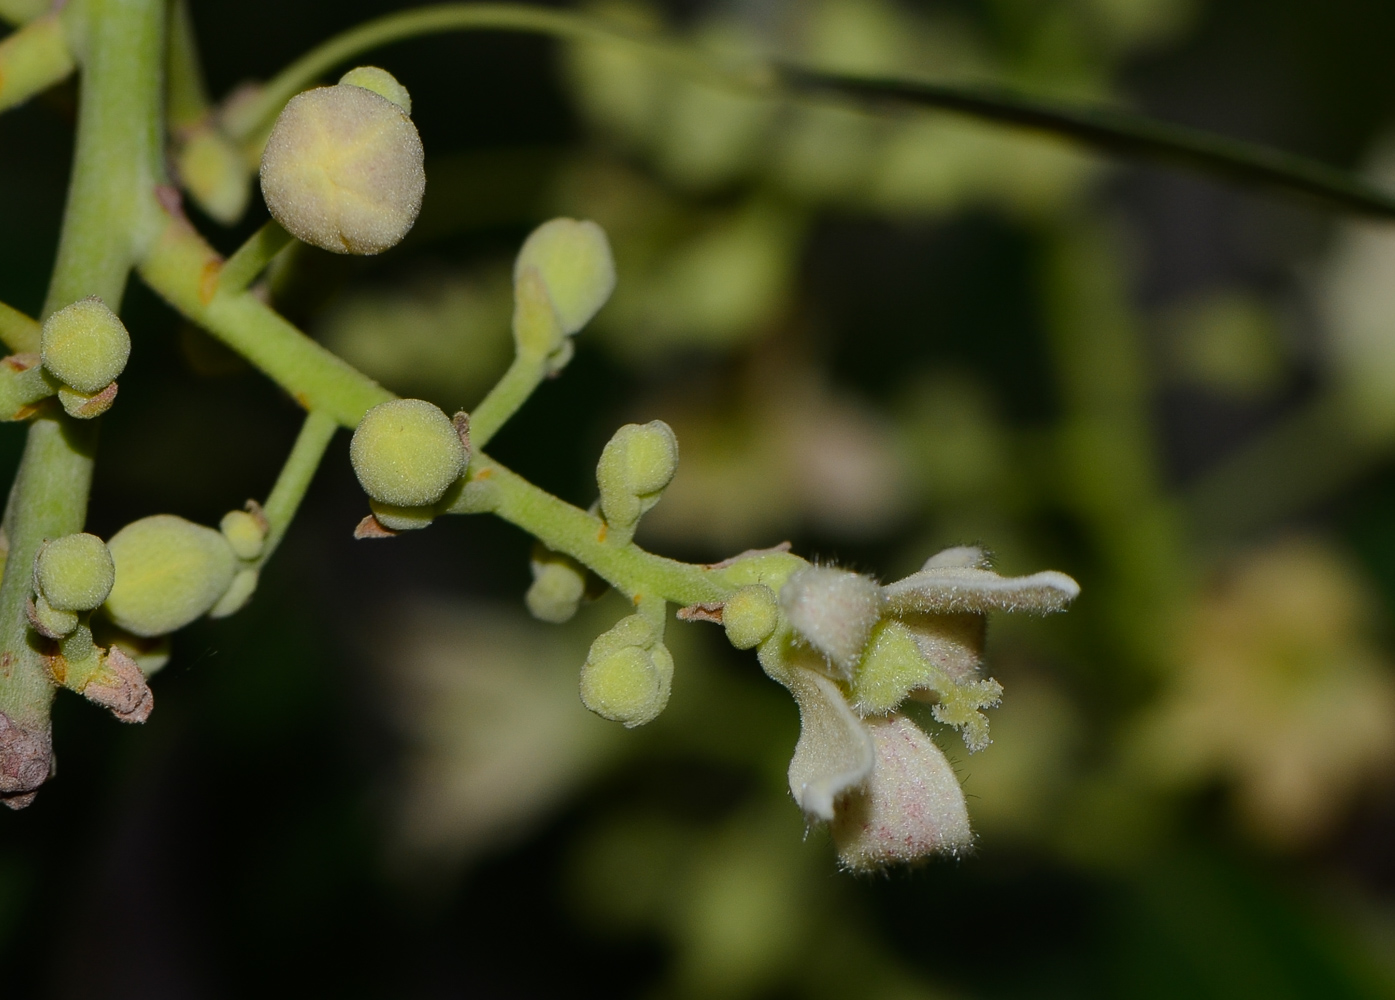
[
  {"x": 833, "y": 610},
  {"x": 834, "y": 752},
  {"x": 912, "y": 806},
  {"x": 953, "y": 589}
]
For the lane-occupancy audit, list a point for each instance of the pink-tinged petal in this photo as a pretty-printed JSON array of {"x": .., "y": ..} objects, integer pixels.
[
  {"x": 834, "y": 752},
  {"x": 834, "y": 611},
  {"x": 911, "y": 808}
]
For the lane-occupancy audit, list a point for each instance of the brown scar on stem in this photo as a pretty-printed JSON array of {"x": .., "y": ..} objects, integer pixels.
[
  {"x": 258, "y": 514},
  {"x": 749, "y": 554},
  {"x": 461, "y": 423},
  {"x": 371, "y": 527},
  {"x": 702, "y": 612},
  {"x": 22, "y": 362}
]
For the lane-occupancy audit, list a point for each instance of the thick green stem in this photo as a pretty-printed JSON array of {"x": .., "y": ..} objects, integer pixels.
[
  {"x": 18, "y": 331},
  {"x": 294, "y": 480},
  {"x": 187, "y": 272}
]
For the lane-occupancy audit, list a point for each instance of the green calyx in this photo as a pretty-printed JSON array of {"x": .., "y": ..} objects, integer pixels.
[
  {"x": 628, "y": 673},
  {"x": 636, "y": 465},
  {"x": 573, "y": 259},
  {"x": 169, "y": 571},
  {"x": 85, "y": 345},
  {"x": 407, "y": 453},
  {"x": 74, "y": 573},
  {"x": 343, "y": 170},
  {"x": 381, "y": 82}
]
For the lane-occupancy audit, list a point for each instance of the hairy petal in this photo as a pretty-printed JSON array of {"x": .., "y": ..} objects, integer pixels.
[
  {"x": 955, "y": 588},
  {"x": 834, "y": 752},
  {"x": 912, "y": 806}
]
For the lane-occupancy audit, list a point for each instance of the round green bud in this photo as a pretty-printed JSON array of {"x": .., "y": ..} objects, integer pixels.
[
  {"x": 576, "y": 265},
  {"x": 75, "y": 572},
  {"x": 343, "y": 170},
  {"x": 84, "y": 345},
  {"x": 406, "y": 452},
  {"x": 50, "y": 621},
  {"x": 169, "y": 571},
  {"x": 636, "y": 465},
  {"x": 245, "y": 532},
  {"x": 750, "y": 616},
  {"x": 398, "y": 518},
  {"x": 558, "y": 587},
  {"x": 629, "y": 685},
  {"x": 381, "y": 82}
]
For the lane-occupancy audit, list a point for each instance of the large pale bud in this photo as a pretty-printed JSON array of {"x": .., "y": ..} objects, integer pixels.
[
  {"x": 169, "y": 571},
  {"x": 574, "y": 261},
  {"x": 407, "y": 453},
  {"x": 343, "y": 168}
]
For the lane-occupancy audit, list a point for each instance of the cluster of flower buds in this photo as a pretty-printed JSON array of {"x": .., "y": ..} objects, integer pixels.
[
  {"x": 73, "y": 576},
  {"x": 407, "y": 453},
  {"x": 343, "y": 166},
  {"x": 84, "y": 346},
  {"x": 628, "y": 672},
  {"x": 637, "y": 464}
]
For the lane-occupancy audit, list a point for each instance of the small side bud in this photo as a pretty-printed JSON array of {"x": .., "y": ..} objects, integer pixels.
[
  {"x": 636, "y": 465},
  {"x": 47, "y": 620},
  {"x": 85, "y": 345},
  {"x": 750, "y": 616},
  {"x": 628, "y": 673},
  {"x": 834, "y": 610},
  {"x": 381, "y": 82},
  {"x": 169, "y": 571},
  {"x": 406, "y": 452},
  {"x": 245, "y": 532},
  {"x": 215, "y": 173},
  {"x": 86, "y": 405},
  {"x": 343, "y": 170},
  {"x": 573, "y": 259},
  {"x": 75, "y": 572},
  {"x": 559, "y": 584},
  {"x": 239, "y": 592}
]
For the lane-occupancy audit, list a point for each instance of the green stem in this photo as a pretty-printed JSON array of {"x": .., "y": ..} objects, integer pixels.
[
  {"x": 20, "y": 11},
  {"x": 294, "y": 480},
  {"x": 570, "y": 530},
  {"x": 1109, "y": 131},
  {"x": 187, "y": 272},
  {"x": 257, "y": 114},
  {"x": 186, "y": 103},
  {"x": 34, "y": 58},
  {"x": 252, "y": 258},
  {"x": 504, "y": 400},
  {"x": 18, "y": 331}
]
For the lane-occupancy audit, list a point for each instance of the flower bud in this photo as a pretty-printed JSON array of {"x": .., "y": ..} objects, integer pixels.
[
  {"x": 575, "y": 263},
  {"x": 406, "y": 452},
  {"x": 48, "y": 620},
  {"x": 381, "y": 82},
  {"x": 342, "y": 169},
  {"x": 558, "y": 587},
  {"x": 85, "y": 345},
  {"x": 74, "y": 573},
  {"x": 834, "y": 611},
  {"x": 636, "y": 465},
  {"x": 239, "y": 592},
  {"x": 215, "y": 173},
  {"x": 169, "y": 571},
  {"x": 628, "y": 673},
  {"x": 750, "y": 616},
  {"x": 537, "y": 333},
  {"x": 245, "y": 532}
]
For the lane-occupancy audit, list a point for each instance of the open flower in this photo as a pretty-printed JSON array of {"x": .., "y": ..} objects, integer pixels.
[{"x": 851, "y": 652}]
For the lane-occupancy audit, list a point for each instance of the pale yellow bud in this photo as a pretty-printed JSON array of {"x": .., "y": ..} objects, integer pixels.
[
  {"x": 750, "y": 616},
  {"x": 85, "y": 345},
  {"x": 245, "y": 532},
  {"x": 381, "y": 82},
  {"x": 343, "y": 170},
  {"x": 575, "y": 263},
  {"x": 406, "y": 452},
  {"x": 75, "y": 572},
  {"x": 169, "y": 571},
  {"x": 636, "y": 465}
]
